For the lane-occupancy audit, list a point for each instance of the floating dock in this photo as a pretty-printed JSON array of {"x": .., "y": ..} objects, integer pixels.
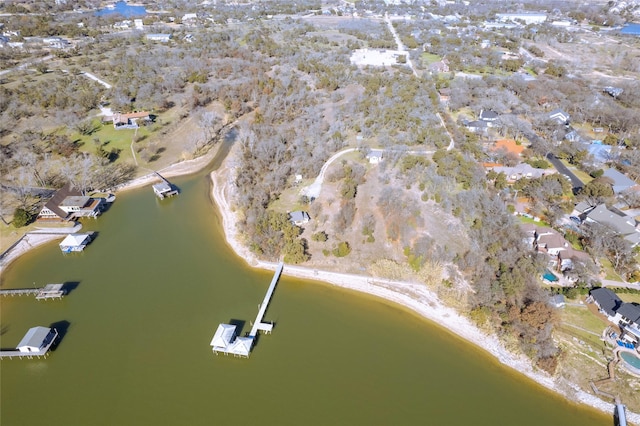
[
  {"x": 49, "y": 291},
  {"x": 225, "y": 339}
]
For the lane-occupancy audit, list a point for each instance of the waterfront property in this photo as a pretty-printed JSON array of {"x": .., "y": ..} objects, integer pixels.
[
  {"x": 36, "y": 342},
  {"x": 225, "y": 339},
  {"x": 68, "y": 203},
  {"x": 75, "y": 242},
  {"x": 624, "y": 315}
]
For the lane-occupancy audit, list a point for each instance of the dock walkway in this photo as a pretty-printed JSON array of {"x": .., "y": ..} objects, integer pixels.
[
  {"x": 49, "y": 291},
  {"x": 225, "y": 339},
  {"x": 258, "y": 324}
]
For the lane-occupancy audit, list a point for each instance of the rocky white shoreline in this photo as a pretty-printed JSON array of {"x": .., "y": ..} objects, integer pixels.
[{"x": 416, "y": 297}]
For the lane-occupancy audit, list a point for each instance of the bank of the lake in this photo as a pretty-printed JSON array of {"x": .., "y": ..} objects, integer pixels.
[
  {"x": 415, "y": 297},
  {"x": 151, "y": 291}
]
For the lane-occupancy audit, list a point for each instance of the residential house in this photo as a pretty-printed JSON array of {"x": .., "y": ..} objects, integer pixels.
[
  {"x": 560, "y": 116},
  {"x": 573, "y": 136},
  {"x": 562, "y": 256},
  {"x": 621, "y": 183},
  {"x": 129, "y": 120},
  {"x": 625, "y": 315},
  {"x": 600, "y": 152},
  {"x": 582, "y": 208},
  {"x": 488, "y": 116},
  {"x": 68, "y": 203},
  {"x": 522, "y": 170},
  {"x": 476, "y": 126},
  {"x": 299, "y": 217},
  {"x": 629, "y": 322},
  {"x": 606, "y": 300},
  {"x": 375, "y": 156},
  {"x": 618, "y": 221},
  {"x": 78, "y": 206}
]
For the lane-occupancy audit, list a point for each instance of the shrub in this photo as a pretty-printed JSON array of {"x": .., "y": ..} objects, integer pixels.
[
  {"x": 320, "y": 237},
  {"x": 342, "y": 249},
  {"x": 21, "y": 217}
]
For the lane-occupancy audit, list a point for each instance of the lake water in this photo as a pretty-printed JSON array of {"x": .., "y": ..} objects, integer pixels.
[
  {"x": 124, "y": 9},
  {"x": 153, "y": 287}
]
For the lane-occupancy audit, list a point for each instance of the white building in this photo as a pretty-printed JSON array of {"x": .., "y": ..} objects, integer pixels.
[
  {"x": 75, "y": 242},
  {"x": 164, "y": 38},
  {"x": 527, "y": 18},
  {"x": 37, "y": 340}
]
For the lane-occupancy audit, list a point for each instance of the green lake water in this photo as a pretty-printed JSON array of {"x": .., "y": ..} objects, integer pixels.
[{"x": 153, "y": 287}]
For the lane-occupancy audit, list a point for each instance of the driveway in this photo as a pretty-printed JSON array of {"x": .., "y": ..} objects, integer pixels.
[{"x": 576, "y": 183}]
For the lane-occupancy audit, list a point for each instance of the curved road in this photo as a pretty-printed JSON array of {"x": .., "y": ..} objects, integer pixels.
[{"x": 313, "y": 190}]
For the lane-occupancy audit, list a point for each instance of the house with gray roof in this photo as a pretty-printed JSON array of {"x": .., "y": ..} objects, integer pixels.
[
  {"x": 522, "y": 170},
  {"x": 620, "y": 181},
  {"x": 488, "y": 116},
  {"x": 606, "y": 300},
  {"x": 299, "y": 217},
  {"x": 560, "y": 116},
  {"x": 629, "y": 313},
  {"x": 621, "y": 223},
  {"x": 625, "y": 315}
]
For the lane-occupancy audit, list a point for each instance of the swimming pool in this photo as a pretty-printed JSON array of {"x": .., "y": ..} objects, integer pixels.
[
  {"x": 548, "y": 275},
  {"x": 631, "y": 359}
]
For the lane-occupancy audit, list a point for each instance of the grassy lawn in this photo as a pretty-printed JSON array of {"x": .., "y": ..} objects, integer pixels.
[
  {"x": 524, "y": 219},
  {"x": 608, "y": 268},
  {"x": 583, "y": 318},
  {"x": 629, "y": 298},
  {"x": 584, "y": 177},
  {"x": 112, "y": 138},
  {"x": 429, "y": 58}
]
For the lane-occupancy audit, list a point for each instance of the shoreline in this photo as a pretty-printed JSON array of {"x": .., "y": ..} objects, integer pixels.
[
  {"x": 415, "y": 297},
  {"x": 33, "y": 239}
]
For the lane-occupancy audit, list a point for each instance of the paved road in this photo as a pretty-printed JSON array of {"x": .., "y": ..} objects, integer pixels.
[
  {"x": 561, "y": 168},
  {"x": 399, "y": 43}
]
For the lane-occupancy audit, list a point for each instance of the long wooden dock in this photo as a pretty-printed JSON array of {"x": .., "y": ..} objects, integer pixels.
[
  {"x": 258, "y": 324},
  {"x": 225, "y": 339},
  {"x": 49, "y": 291}
]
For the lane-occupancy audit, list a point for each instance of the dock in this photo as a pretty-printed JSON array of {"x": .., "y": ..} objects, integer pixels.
[
  {"x": 165, "y": 188},
  {"x": 36, "y": 343},
  {"x": 225, "y": 339},
  {"x": 49, "y": 291}
]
